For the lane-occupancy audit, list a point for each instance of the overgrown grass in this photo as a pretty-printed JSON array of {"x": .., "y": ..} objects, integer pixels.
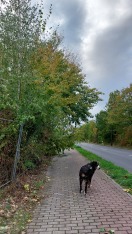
[{"x": 120, "y": 175}]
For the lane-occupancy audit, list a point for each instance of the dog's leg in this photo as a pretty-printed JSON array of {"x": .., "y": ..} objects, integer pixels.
[
  {"x": 81, "y": 180},
  {"x": 86, "y": 185},
  {"x": 89, "y": 183}
]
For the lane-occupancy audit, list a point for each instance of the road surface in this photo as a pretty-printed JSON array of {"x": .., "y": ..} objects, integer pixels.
[{"x": 120, "y": 157}]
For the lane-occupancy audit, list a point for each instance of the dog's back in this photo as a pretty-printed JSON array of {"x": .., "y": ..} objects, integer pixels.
[
  {"x": 86, "y": 172},
  {"x": 88, "y": 169}
]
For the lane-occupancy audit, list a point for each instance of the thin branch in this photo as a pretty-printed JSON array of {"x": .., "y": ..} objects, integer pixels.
[
  {"x": 9, "y": 120},
  {"x": 5, "y": 184}
]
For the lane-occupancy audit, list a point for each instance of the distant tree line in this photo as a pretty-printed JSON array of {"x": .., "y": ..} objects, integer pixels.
[
  {"x": 112, "y": 125},
  {"x": 42, "y": 88}
]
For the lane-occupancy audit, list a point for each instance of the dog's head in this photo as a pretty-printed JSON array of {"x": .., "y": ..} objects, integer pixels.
[{"x": 95, "y": 165}]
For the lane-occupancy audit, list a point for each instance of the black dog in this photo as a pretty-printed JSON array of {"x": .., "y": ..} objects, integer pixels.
[{"x": 86, "y": 173}]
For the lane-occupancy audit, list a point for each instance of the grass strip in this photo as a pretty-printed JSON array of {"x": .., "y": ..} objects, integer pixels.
[{"x": 120, "y": 175}]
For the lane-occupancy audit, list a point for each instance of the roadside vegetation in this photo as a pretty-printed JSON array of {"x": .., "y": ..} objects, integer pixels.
[
  {"x": 120, "y": 175},
  {"x": 43, "y": 93},
  {"x": 113, "y": 125}
]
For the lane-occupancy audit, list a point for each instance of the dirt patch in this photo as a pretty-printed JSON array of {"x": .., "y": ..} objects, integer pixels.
[{"x": 19, "y": 199}]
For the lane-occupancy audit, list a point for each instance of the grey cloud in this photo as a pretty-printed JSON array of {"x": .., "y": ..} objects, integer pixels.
[
  {"x": 108, "y": 61},
  {"x": 111, "y": 58},
  {"x": 73, "y": 14},
  {"x": 113, "y": 47}
]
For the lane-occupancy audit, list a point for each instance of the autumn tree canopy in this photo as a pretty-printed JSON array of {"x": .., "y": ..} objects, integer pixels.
[
  {"x": 42, "y": 87},
  {"x": 114, "y": 124}
]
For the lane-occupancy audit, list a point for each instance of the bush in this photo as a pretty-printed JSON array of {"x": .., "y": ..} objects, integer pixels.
[{"x": 29, "y": 165}]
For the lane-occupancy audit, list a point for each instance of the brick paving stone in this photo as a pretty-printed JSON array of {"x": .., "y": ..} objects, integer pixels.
[{"x": 66, "y": 211}]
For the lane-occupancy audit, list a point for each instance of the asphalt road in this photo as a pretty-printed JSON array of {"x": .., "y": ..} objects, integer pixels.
[{"x": 120, "y": 157}]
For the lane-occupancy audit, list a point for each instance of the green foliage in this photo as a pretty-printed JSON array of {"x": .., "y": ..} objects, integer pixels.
[
  {"x": 113, "y": 125},
  {"x": 119, "y": 111},
  {"x": 86, "y": 132},
  {"x": 20, "y": 29},
  {"x": 105, "y": 131},
  {"x": 42, "y": 86},
  {"x": 82, "y": 132},
  {"x": 39, "y": 184},
  {"x": 29, "y": 165}
]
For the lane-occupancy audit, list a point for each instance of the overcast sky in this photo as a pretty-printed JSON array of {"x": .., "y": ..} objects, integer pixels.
[{"x": 100, "y": 33}]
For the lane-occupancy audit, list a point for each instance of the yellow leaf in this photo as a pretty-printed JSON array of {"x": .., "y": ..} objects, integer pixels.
[
  {"x": 29, "y": 220},
  {"x": 126, "y": 190},
  {"x": 26, "y": 186}
]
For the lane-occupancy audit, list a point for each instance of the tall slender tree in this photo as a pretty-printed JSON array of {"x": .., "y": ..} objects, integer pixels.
[{"x": 20, "y": 31}]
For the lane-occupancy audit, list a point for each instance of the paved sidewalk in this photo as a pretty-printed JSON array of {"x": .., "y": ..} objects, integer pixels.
[{"x": 66, "y": 211}]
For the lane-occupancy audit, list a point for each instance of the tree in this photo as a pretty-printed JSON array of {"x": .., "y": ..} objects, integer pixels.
[
  {"x": 92, "y": 131},
  {"x": 120, "y": 113},
  {"x": 105, "y": 131},
  {"x": 87, "y": 132},
  {"x": 63, "y": 83},
  {"x": 20, "y": 32},
  {"x": 20, "y": 29},
  {"x": 82, "y": 133},
  {"x": 42, "y": 86}
]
